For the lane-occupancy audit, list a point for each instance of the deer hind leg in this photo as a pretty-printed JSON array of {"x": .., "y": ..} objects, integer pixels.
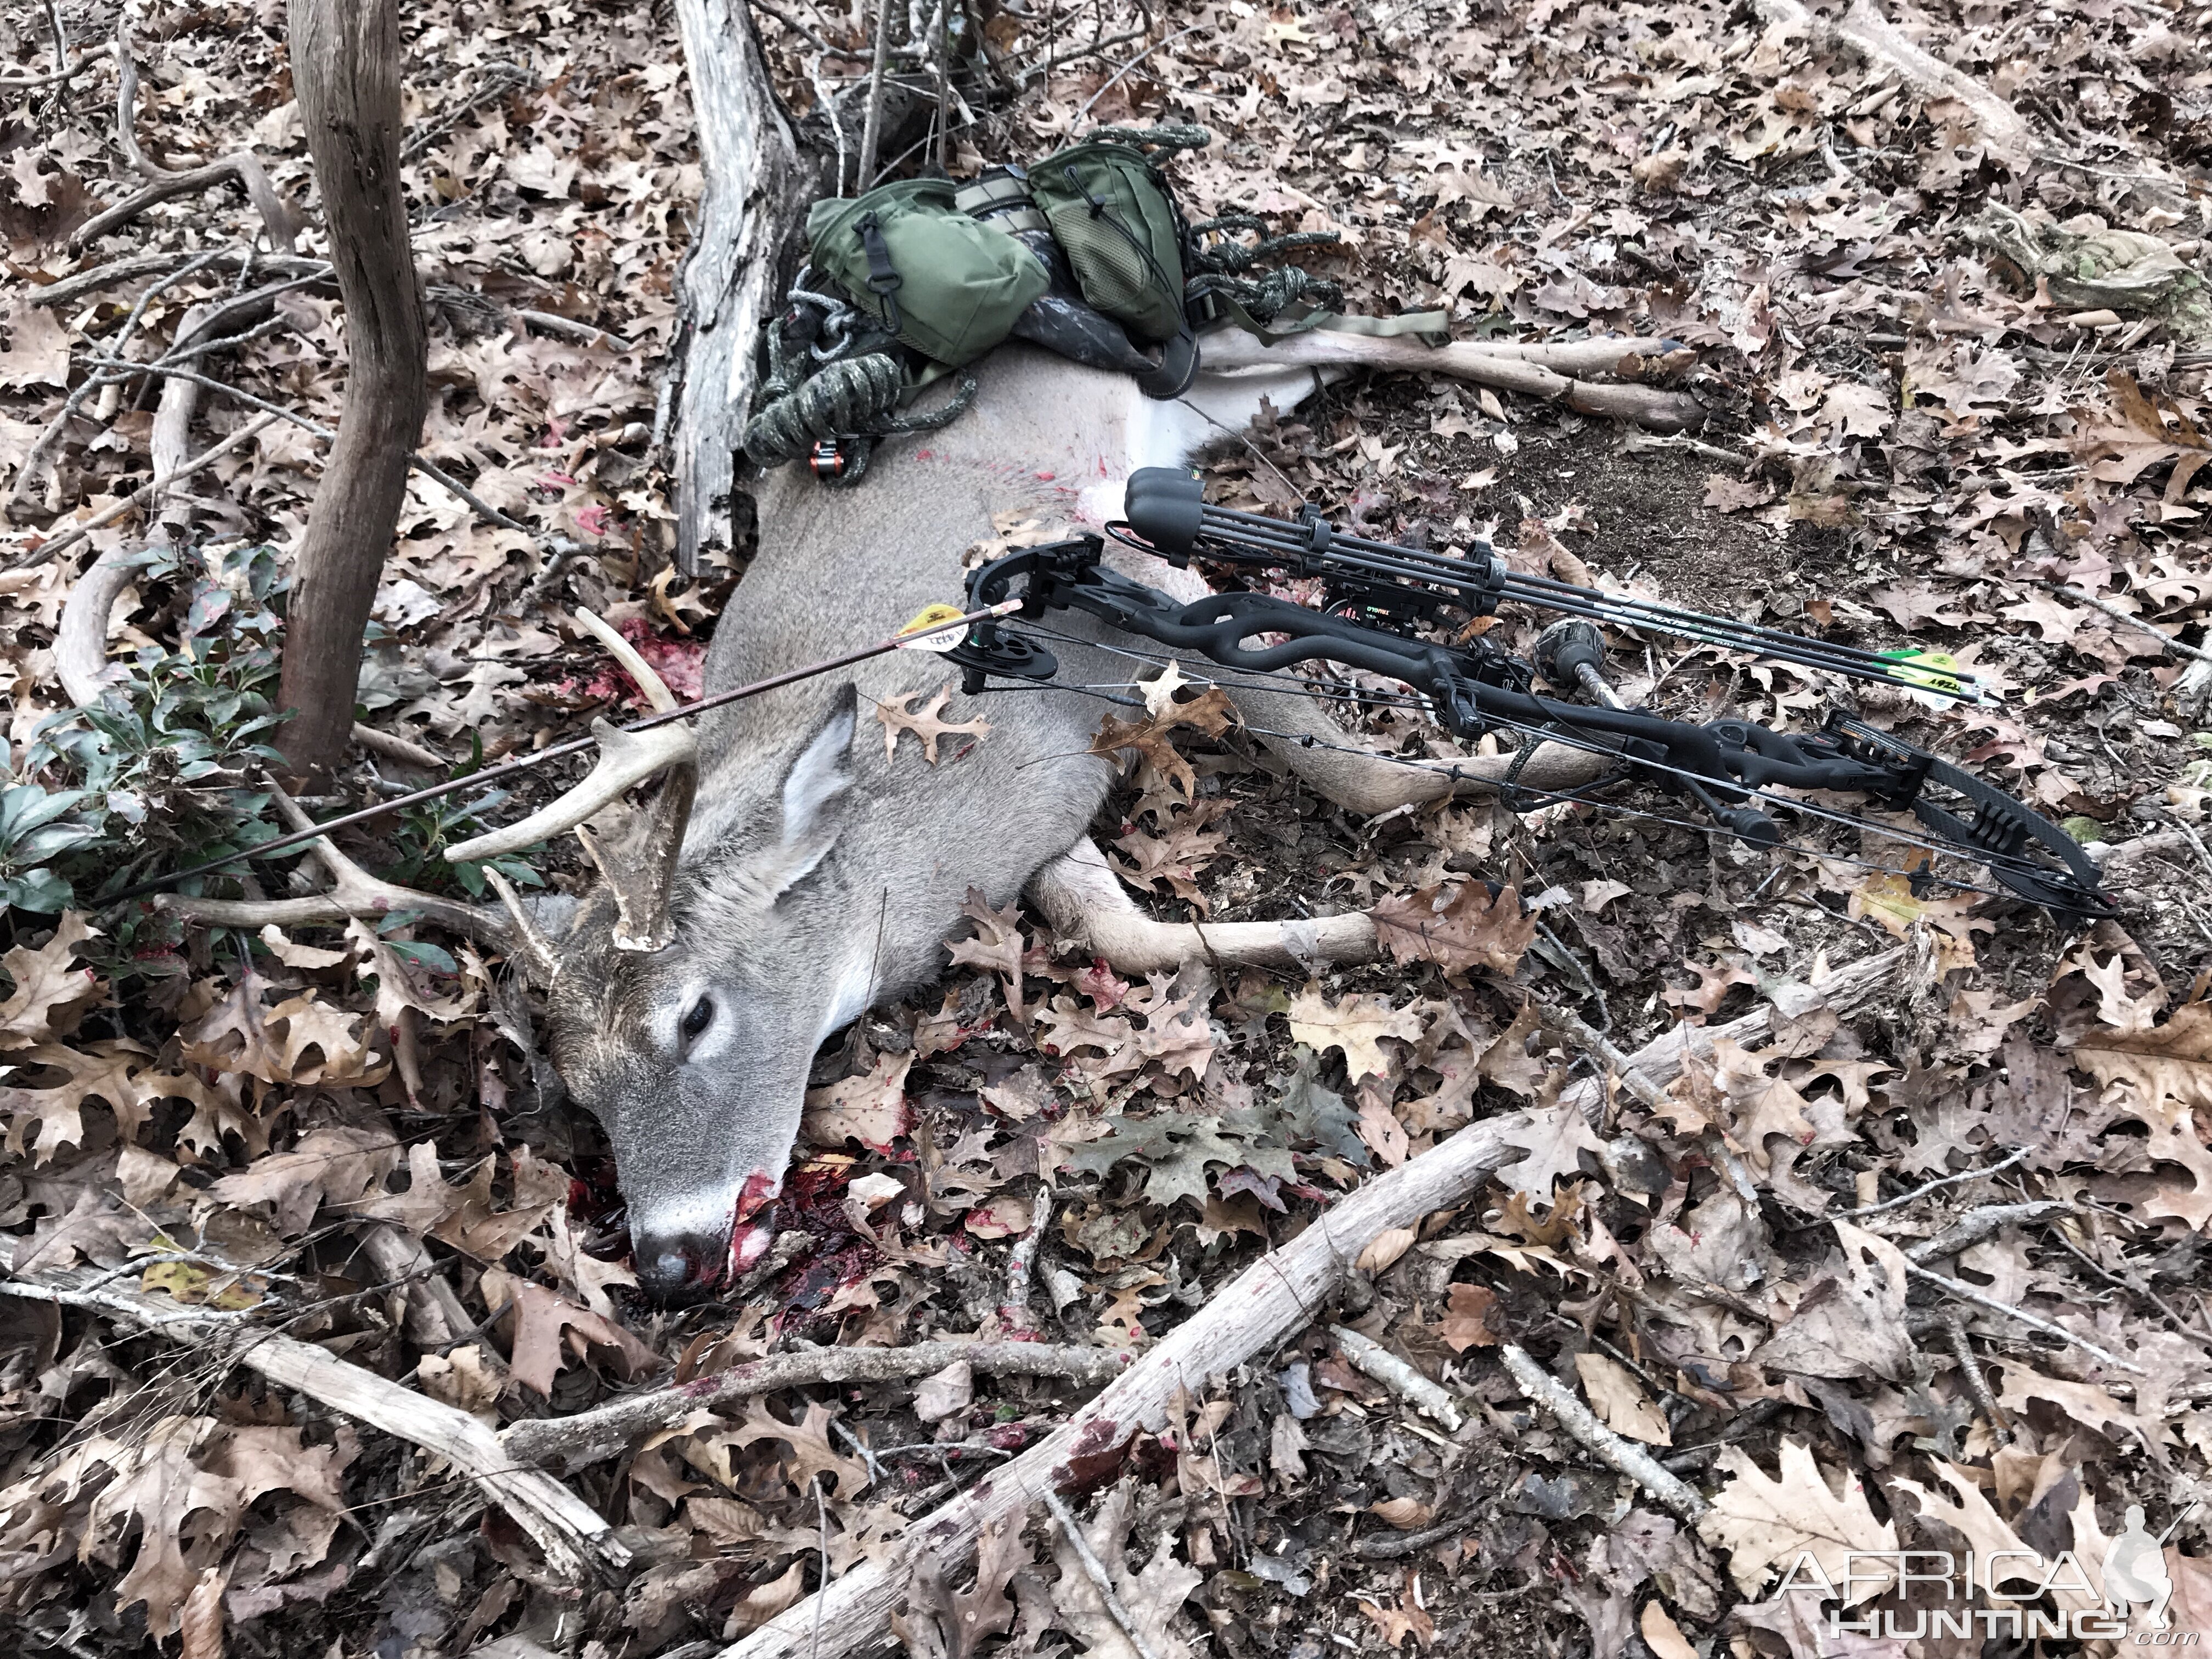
[
  {"x": 1085, "y": 902},
  {"x": 1341, "y": 768},
  {"x": 1336, "y": 763}
]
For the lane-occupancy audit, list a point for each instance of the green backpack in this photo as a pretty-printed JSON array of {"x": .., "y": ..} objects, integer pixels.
[
  {"x": 1116, "y": 221},
  {"x": 947, "y": 286}
]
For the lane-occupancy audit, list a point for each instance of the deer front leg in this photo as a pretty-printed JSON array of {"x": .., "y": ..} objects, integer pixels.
[{"x": 1085, "y": 902}]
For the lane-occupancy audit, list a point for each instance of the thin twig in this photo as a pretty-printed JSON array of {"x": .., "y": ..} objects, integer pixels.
[
  {"x": 821, "y": 1591},
  {"x": 589, "y": 333},
  {"x": 429, "y": 469},
  {"x": 1095, "y": 1571},
  {"x": 92, "y": 383},
  {"x": 1968, "y": 1293},
  {"x": 867, "y": 1453},
  {"x": 2130, "y": 1286},
  {"x": 1578, "y": 1420},
  {"x": 1903, "y": 1199},
  {"x": 65, "y": 71},
  {"x": 871, "y": 130},
  {"x": 1971, "y": 1372},
  {"x": 504, "y": 77},
  {"x": 797, "y": 28},
  {"x": 144, "y": 495},
  {"x": 1116, "y": 79},
  {"x": 824, "y": 102},
  {"x": 944, "y": 82},
  {"x": 71, "y": 288},
  {"x": 2177, "y": 647},
  {"x": 586, "y": 1437},
  {"x": 1023, "y": 77}
]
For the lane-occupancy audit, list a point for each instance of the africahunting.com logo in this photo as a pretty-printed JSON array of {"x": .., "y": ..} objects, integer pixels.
[{"x": 2022, "y": 1595}]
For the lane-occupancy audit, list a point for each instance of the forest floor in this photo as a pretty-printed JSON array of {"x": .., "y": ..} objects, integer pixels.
[{"x": 1955, "y": 341}]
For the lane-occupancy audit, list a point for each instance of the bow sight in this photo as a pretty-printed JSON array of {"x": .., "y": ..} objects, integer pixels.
[{"x": 1378, "y": 597}]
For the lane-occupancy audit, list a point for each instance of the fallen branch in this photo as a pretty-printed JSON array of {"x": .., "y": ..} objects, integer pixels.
[
  {"x": 276, "y": 218},
  {"x": 755, "y": 194},
  {"x": 1970, "y": 1372},
  {"x": 1926, "y": 1187},
  {"x": 1432, "y": 1398},
  {"x": 2179, "y": 649},
  {"x": 1864, "y": 29},
  {"x": 571, "y": 1442},
  {"x": 1660, "y": 1061},
  {"x": 1576, "y": 1419},
  {"x": 1971, "y": 1228},
  {"x": 1968, "y": 1293},
  {"x": 1021, "y": 1267},
  {"x": 577, "y": 1542},
  {"x": 1283, "y": 1291},
  {"x": 1578, "y": 1033},
  {"x": 1396, "y": 1545},
  {"x": 1095, "y": 1571},
  {"x": 66, "y": 71},
  {"x": 129, "y": 269}
]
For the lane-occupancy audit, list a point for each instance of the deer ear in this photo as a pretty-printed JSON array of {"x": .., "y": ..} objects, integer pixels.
[
  {"x": 806, "y": 804},
  {"x": 819, "y": 775},
  {"x": 810, "y": 790}
]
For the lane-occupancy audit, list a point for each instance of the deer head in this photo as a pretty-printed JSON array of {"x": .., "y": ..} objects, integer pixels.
[{"x": 681, "y": 1005}]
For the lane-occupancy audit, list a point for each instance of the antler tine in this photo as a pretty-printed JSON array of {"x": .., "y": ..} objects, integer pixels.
[
  {"x": 655, "y": 688},
  {"x": 641, "y": 886},
  {"x": 626, "y": 760},
  {"x": 539, "y": 959}
]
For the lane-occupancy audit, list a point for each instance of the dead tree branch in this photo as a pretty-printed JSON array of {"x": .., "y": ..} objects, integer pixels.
[
  {"x": 1880, "y": 42},
  {"x": 571, "y": 1442},
  {"x": 64, "y": 70},
  {"x": 578, "y": 1543},
  {"x": 755, "y": 191},
  {"x": 1282, "y": 1292},
  {"x": 277, "y": 217},
  {"x": 151, "y": 491}
]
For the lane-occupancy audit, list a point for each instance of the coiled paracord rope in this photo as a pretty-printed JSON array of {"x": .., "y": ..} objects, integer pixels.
[
  {"x": 850, "y": 400},
  {"x": 1169, "y": 136},
  {"x": 1265, "y": 297}
]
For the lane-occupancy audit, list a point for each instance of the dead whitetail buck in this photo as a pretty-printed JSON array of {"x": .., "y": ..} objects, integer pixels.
[{"x": 790, "y": 873}]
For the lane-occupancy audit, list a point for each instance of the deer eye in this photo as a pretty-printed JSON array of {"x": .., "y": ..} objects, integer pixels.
[{"x": 697, "y": 1018}]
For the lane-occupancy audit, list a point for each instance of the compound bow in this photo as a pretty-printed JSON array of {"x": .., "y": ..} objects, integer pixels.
[{"x": 1379, "y": 598}]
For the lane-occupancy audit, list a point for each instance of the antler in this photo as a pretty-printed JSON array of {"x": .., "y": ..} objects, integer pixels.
[
  {"x": 353, "y": 892},
  {"x": 642, "y": 886}
]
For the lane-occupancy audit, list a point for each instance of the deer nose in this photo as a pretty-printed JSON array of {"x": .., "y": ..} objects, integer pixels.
[{"x": 670, "y": 1270}]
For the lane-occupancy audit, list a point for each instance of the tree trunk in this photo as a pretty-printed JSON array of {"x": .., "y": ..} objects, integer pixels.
[
  {"x": 754, "y": 193},
  {"x": 345, "y": 69}
]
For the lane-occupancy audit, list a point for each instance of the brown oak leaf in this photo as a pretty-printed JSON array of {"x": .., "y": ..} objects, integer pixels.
[
  {"x": 1457, "y": 925},
  {"x": 924, "y": 723}
]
